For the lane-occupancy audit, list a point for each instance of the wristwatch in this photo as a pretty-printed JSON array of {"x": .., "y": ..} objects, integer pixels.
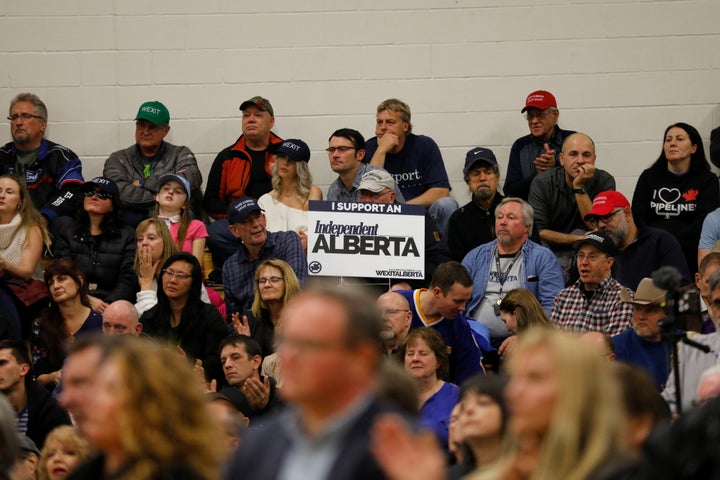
[{"x": 580, "y": 191}]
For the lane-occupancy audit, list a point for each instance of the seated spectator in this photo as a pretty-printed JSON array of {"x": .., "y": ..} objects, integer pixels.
[
  {"x": 64, "y": 450},
  {"x": 26, "y": 465},
  {"x": 154, "y": 245},
  {"x": 121, "y": 318},
  {"x": 709, "y": 234},
  {"x": 346, "y": 152},
  {"x": 642, "y": 345},
  {"x": 441, "y": 306},
  {"x": 593, "y": 302},
  {"x": 255, "y": 244},
  {"x": 643, "y": 249},
  {"x": 425, "y": 356},
  {"x": 709, "y": 385},
  {"x": 252, "y": 394},
  {"x": 52, "y": 173},
  {"x": 539, "y": 151},
  {"x": 68, "y": 316},
  {"x": 100, "y": 244},
  {"x": 183, "y": 319},
  {"x": 172, "y": 206},
  {"x": 562, "y": 196},
  {"x": 644, "y": 407},
  {"x": 37, "y": 412},
  {"x": 22, "y": 236},
  {"x": 377, "y": 186},
  {"x": 692, "y": 361},
  {"x": 678, "y": 190},
  {"x": 274, "y": 285},
  {"x": 509, "y": 262},
  {"x": 708, "y": 265},
  {"x": 397, "y": 318},
  {"x": 136, "y": 170},
  {"x": 286, "y": 204},
  {"x": 473, "y": 224},
  {"x": 146, "y": 419},
  {"x": 559, "y": 385},
  {"x": 520, "y": 311},
  {"x": 413, "y": 160},
  {"x": 240, "y": 170},
  {"x": 483, "y": 421}
]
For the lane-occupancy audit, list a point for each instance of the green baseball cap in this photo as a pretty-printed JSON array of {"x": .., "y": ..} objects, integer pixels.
[{"x": 154, "y": 112}]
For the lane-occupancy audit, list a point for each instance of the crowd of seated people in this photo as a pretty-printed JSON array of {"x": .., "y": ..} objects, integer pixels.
[{"x": 292, "y": 371}]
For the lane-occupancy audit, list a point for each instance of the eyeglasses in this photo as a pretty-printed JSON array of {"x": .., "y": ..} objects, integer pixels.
[
  {"x": 391, "y": 311},
  {"x": 581, "y": 257},
  {"x": 273, "y": 280},
  {"x": 178, "y": 275},
  {"x": 605, "y": 219},
  {"x": 339, "y": 149},
  {"x": 101, "y": 194},
  {"x": 24, "y": 116},
  {"x": 539, "y": 115}
]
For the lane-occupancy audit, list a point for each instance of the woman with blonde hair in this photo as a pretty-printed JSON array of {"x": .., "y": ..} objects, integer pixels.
[
  {"x": 147, "y": 418},
  {"x": 63, "y": 451},
  {"x": 275, "y": 284},
  {"x": 566, "y": 418},
  {"x": 286, "y": 204},
  {"x": 22, "y": 237}
]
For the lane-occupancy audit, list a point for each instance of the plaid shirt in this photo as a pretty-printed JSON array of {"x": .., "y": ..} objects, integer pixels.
[
  {"x": 603, "y": 311},
  {"x": 239, "y": 271}
]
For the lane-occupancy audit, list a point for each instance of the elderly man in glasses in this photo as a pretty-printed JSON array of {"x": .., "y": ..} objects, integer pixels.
[
  {"x": 642, "y": 249},
  {"x": 540, "y": 150},
  {"x": 137, "y": 169},
  {"x": 346, "y": 151},
  {"x": 51, "y": 172}
]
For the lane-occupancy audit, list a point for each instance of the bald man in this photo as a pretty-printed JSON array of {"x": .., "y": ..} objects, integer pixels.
[
  {"x": 121, "y": 318},
  {"x": 396, "y": 316},
  {"x": 602, "y": 342},
  {"x": 563, "y": 195}
]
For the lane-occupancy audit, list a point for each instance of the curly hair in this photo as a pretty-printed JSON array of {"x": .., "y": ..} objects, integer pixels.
[
  {"x": 164, "y": 421},
  {"x": 169, "y": 248},
  {"x": 69, "y": 438},
  {"x": 290, "y": 280}
]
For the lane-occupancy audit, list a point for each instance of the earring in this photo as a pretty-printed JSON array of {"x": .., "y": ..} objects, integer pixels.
[{"x": 19, "y": 205}]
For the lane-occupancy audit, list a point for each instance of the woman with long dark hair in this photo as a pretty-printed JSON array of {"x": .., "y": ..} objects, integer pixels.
[
  {"x": 183, "y": 319},
  {"x": 68, "y": 316},
  {"x": 101, "y": 245},
  {"x": 678, "y": 190}
]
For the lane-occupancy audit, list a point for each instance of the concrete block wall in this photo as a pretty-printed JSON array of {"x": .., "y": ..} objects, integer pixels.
[{"x": 622, "y": 70}]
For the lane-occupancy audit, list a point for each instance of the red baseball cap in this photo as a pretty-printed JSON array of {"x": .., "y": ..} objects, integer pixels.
[
  {"x": 605, "y": 202},
  {"x": 540, "y": 99}
]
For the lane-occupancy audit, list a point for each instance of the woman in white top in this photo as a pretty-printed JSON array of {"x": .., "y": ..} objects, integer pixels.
[
  {"x": 22, "y": 235},
  {"x": 287, "y": 204}
]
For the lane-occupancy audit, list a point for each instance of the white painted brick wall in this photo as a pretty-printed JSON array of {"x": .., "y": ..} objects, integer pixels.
[{"x": 622, "y": 70}]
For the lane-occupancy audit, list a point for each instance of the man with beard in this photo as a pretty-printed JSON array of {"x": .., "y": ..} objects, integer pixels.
[
  {"x": 472, "y": 224},
  {"x": 643, "y": 249},
  {"x": 396, "y": 317}
]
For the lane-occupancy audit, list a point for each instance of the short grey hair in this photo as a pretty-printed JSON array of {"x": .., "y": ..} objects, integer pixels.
[
  {"x": 40, "y": 108},
  {"x": 714, "y": 281},
  {"x": 527, "y": 209}
]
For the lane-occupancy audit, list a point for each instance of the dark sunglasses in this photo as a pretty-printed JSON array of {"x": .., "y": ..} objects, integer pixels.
[{"x": 101, "y": 194}]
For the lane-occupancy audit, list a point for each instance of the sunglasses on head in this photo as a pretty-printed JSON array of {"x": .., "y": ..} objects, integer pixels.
[{"x": 101, "y": 194}]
